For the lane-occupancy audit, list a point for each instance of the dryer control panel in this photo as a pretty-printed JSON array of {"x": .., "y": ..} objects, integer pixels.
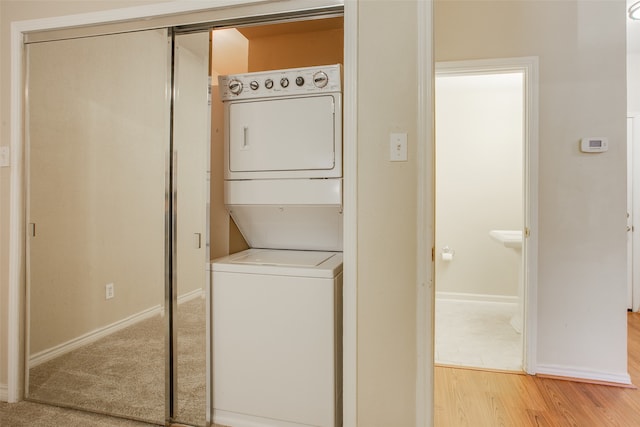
[{"x": 276, "y": 83}]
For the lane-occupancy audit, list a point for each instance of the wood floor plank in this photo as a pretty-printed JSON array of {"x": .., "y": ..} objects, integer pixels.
[
  {"x": 537, "y": 419},
  {"x": 465, "y": 397}
]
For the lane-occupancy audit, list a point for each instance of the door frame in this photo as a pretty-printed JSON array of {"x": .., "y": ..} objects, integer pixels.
[
  {"x": 529, "y": 67},
  {"x": 19, "y": 29},
  {"x": 633, "y": 172}
]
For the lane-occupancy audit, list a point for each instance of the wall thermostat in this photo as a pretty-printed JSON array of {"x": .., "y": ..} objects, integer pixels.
[{"x": 594, "y": 145}]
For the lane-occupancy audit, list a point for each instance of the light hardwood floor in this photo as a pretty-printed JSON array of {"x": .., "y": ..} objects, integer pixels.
[
  {"x": 466, "y": 397},
  {"x": 462, "y": 398}
]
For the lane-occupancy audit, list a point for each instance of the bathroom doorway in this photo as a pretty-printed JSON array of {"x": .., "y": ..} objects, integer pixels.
[{"x": 482, "y": 214}]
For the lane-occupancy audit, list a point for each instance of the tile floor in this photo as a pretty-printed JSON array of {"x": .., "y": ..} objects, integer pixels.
[{"x": 477, "y": 334}]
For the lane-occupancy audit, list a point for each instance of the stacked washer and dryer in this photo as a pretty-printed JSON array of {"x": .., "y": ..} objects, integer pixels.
[{"x": 277, "y": 307}]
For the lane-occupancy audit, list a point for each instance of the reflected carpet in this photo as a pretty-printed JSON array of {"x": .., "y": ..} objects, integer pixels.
[{"x": 124, "y": 373}]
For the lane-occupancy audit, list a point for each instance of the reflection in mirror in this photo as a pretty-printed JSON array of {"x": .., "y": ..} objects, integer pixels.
[
  {"x": 98, "y": 143},
  {"x": 191, "y": 144},
  {"x": 97, "y": 146}
]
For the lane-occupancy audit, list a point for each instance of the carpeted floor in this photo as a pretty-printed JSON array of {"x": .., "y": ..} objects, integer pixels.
[
  {"x": 29, "y": 414},
  {"x": 124, "y": 373}
]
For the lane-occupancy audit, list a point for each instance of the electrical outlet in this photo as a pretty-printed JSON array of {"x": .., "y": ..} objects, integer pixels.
[
  {"x": 398, "y": 147},
  {"x": 109, "y": 291}
]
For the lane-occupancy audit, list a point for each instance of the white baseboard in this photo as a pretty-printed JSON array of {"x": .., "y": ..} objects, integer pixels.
[
  {"x": 4, "y": 393},
  {"x": 95, "y": 335},
  {"x": 89, "y": 337},
  {"x": 191, "y": 295},
  {"x": 236, "y": 419},
  {"x": 582, "y": 374},
  {"x": 460, "y": 296}
]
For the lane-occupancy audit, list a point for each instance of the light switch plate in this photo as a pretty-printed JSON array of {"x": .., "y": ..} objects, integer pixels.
[
  {"x": 398, "y": 147},
  {"x": 5, "y": 156}
]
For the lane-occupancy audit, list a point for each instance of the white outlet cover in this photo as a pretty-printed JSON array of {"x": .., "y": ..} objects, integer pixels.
[
  {"x": 109, "y": 291},
  {"x": 398, "y": 147}
]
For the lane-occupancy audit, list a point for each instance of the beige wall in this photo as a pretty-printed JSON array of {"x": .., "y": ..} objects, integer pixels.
[
  {"x": 479, "y": 139},
  {"x": 96, "y": 174},
  {"x": 387, "y": 100},
  {"x": 582, "y": 198},
  {"x": 633, "y": 82}
]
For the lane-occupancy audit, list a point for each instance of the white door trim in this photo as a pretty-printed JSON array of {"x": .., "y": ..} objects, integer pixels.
[
  {"x": 15, "y": 332},
  {"x": 635, "y": 211},
  {"x": 350, "y": 233},
  {"x": 529, "y": 67},
  {"x": 425, "y": 292},
  {"x": 17, "y": 227}
]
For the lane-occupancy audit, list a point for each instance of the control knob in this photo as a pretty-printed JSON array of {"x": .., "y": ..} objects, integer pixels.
[
  {"x": 235, "y": 86},
  {"x": 268, "y": 84},
  {"x": 320, "y": 79},
  {"x": 284, "y": 82},
  {"x": 254, "y": 85},
  {"x": 299, "y": 80}
]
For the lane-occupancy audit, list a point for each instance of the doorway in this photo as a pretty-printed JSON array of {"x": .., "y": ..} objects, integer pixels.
[
  {"x": 633, "y": 211},
  {"x": 483, "y": 213}
]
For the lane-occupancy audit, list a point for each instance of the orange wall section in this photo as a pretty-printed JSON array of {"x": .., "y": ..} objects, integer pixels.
[{"x": 294, "y": 50}]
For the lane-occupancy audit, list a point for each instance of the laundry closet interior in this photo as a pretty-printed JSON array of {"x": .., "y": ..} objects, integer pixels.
[{"x": 132, "y": 190}]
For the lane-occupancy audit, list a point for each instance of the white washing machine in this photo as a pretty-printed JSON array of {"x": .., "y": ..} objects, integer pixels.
[
  {"x": 277, "y": 338},
  {"x": 277, "y": 328}
]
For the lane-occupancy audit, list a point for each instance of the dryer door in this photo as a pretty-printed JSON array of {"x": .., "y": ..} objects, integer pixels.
[{"x": 280, "y": 137}]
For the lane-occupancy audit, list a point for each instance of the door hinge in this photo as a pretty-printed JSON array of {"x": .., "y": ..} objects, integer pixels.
[
  {"x": 527, "y": 232},
  {"x": 31, "y": 231},
  {"x": 433, "y": 254}
]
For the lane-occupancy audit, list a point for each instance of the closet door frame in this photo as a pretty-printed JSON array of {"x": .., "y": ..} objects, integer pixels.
[{"x": 208, "y": 12}]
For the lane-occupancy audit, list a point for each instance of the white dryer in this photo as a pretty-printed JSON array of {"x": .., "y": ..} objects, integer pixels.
[
  {"x": 283, "y": 157},
  {"x": 277, "y": 328}
]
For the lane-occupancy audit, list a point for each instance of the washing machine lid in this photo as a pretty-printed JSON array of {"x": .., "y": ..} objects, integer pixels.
[
  {"x": 282, "y": 262},
  {"x": 284, "y": 258}
]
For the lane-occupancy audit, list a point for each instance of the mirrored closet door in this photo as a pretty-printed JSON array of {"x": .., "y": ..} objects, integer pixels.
[
  {"x": 117, "y": 139},
  {"x": 191, "y": 136}
]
